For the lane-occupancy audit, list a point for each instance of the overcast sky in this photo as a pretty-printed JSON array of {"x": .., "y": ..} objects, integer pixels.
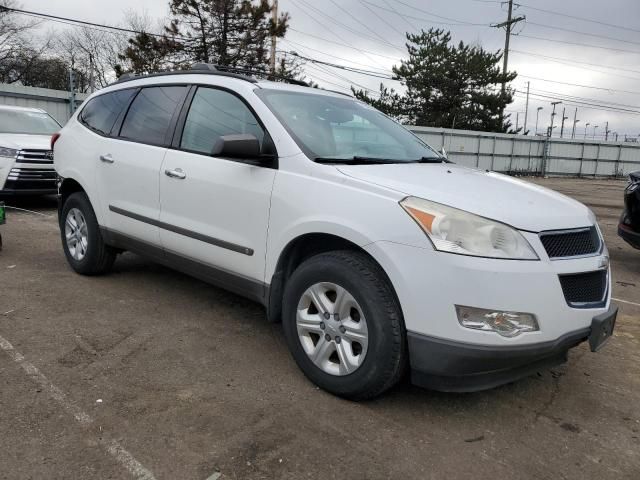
[{"x": 369, "y": 34}]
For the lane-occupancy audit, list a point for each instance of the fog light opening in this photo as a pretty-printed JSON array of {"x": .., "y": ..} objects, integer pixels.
[{"x": 505, "y": 323}]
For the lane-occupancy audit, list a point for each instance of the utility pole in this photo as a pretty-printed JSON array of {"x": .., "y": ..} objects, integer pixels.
[
  {"x": 91, "y": 77},
  {"x": 575, "y": 120},
  {"x": 508, "y": 24},
  {"x": 563, "y": 119},
  {"x": 274, "y": 16},
  {"x": 606, "y": 132},
  {"x": 526, "y": 110},
  {"x": 72, "y": 89}
]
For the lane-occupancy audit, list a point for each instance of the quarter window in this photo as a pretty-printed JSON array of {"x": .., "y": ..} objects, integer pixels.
[
  {"x": 101, "y": 113},
  {"x": 149, "y": 117},
  {"x": 215, "y": 113}
]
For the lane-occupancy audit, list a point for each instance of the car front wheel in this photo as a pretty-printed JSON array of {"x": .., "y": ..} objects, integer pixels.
[{"x": 344, "y": 326}]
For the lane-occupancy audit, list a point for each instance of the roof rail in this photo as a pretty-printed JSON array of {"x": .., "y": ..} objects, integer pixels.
[
  {"x": 251, "y": 71},
  {"x": 201, "y": 70},
  {"x": 212, "y": 69}
]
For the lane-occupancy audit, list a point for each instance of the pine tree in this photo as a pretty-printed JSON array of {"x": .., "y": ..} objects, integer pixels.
[
  {"x": 226, "y": 32},
  {"x": 447, "y": 85}
]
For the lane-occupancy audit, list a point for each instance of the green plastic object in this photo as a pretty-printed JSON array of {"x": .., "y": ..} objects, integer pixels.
[{"x": 2, "y": 214}]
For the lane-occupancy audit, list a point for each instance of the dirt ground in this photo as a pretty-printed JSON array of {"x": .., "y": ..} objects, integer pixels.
[{"x": 147, "y": 373}]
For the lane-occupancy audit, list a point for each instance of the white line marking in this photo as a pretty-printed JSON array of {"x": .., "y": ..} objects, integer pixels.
[
  {"x": 117, "y": 451},
  {"x": 625, "y": 301}
]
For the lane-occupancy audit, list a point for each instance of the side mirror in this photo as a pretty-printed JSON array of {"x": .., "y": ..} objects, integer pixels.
[
  {"x": 242, "y": 145},
  {"x": 443, "y": 152}
]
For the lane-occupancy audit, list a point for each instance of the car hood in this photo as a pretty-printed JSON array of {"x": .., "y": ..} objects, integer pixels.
[
  {"x": 25, "y": 141},
  {"x": 499, "y": 197}
]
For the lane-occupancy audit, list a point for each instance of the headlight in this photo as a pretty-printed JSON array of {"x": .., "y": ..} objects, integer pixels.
[
  {"x": 456, "y": 231},
  {"x": 8, "y": 152}
]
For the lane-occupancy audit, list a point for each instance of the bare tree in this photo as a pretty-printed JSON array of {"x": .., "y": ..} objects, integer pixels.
[{"x": 18, "y": 47}]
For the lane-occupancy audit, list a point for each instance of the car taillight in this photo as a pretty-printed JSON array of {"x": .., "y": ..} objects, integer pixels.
[{"x": 54, "y": 139}]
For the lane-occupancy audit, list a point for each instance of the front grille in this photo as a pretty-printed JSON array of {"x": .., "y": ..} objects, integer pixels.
[
  {"x": 571, "y": 243},
  {"x": 31, "y": 179},
  {"x": 584, "y": 289},
  {"x": 33, "y": 156}
]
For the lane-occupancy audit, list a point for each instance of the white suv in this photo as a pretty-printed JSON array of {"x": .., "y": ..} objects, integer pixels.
[
  {"x": 377, "y": 254},
  {"x": 26, "y": 160}
]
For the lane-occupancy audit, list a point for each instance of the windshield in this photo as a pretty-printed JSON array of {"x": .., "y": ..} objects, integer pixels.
[
  {"x": 329, "y": 128},
  {"x": 20, "y": 121}
]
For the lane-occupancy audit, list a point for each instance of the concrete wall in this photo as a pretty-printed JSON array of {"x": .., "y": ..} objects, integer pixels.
[
  {"x": 530, "y": 155},
  {"x": 54, "y": 102}
]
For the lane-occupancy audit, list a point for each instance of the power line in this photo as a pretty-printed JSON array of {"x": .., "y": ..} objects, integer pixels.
[
  {"x": 632, "y": 92},
  {"x": 381, "y": 72},
  {"x": 331, "y": 31},
  {"x": 363, "y": 24},
  {"x": 578, "y": 44},
  {"x": 341, "y": 44},
  {"x": 569, "y": 62},
  {"x": 386, "y": 2},
  {"x": 440, "y": 16},
  {"x": 333, "y": 20},
  {"x": 427, "y": 20},
  {"x": 583, "y": 19},
  {"x": 589, "y": 34},
  {"x": 571, "y": 102},
  {"x": 76, "y": 21},
  {"x": 587, "y": 99},
  {"x": 388, "y": 24},
  {"x": 342, "y": 67}
]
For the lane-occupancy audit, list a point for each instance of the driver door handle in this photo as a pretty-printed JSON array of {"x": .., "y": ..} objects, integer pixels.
[
  {"x": 177, "y": 173},
  {"x": 106, "y": 158}
]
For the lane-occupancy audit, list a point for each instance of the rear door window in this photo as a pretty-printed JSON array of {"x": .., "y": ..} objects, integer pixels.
[
  {"x": 149, "y": 117},
  {"x": 215, "y": 113},
  {"x": 101, "y": 113}
]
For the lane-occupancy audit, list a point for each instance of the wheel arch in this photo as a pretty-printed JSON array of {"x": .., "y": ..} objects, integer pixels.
[{"x": 297, "y": 251}]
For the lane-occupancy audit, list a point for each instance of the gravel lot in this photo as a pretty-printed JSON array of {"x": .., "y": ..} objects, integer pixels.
[{"x": 147, "y": 373}]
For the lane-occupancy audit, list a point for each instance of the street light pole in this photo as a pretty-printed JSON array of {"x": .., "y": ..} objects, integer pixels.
[
  {"x": 537, "y": 114},
  {"x": 594, "y": 131},
  {"x": 585, "y": 130},
  {"x": 575, "y": 120},
  {"x": 563, "y": 119},
  {"x": 553, "y": 114}
]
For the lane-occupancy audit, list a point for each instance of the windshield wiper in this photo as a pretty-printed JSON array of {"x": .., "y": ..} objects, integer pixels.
[{"x": 358, "y": 160}]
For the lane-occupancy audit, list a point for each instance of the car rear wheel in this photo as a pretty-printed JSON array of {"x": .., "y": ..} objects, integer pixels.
[
  {"x": 344, "y": 326},
  {"x": 82, "y": 242}
]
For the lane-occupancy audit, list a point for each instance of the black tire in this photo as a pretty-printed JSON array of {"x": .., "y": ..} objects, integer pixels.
[
  {"x": 386, "y": 358},
  {"x": 99, "y": 257}
]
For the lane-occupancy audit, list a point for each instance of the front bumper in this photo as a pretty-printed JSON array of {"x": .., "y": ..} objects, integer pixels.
[
  {"x": 451, "y": 366},
  {"x": 629, "y": 235}
]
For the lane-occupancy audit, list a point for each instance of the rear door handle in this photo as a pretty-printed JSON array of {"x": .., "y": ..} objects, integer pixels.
[
  {"x": 106, "y": 158},
  {"x": 177, "y": 173}
]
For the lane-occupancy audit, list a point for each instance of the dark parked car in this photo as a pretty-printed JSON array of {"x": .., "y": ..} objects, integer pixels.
[{"x": 629, "y": 226}]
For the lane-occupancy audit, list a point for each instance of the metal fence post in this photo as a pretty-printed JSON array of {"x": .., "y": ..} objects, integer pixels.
[
  {"x": 617, "y": 172},
  {"x": 493, "y": 152},
  {"x": 581, "y": 160},
  {"x": 545, "y": 154},
  {"x": 513, "y": 147},
  {"x": 595, "y": 170},
  {"x": 478, "y": 153}
]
